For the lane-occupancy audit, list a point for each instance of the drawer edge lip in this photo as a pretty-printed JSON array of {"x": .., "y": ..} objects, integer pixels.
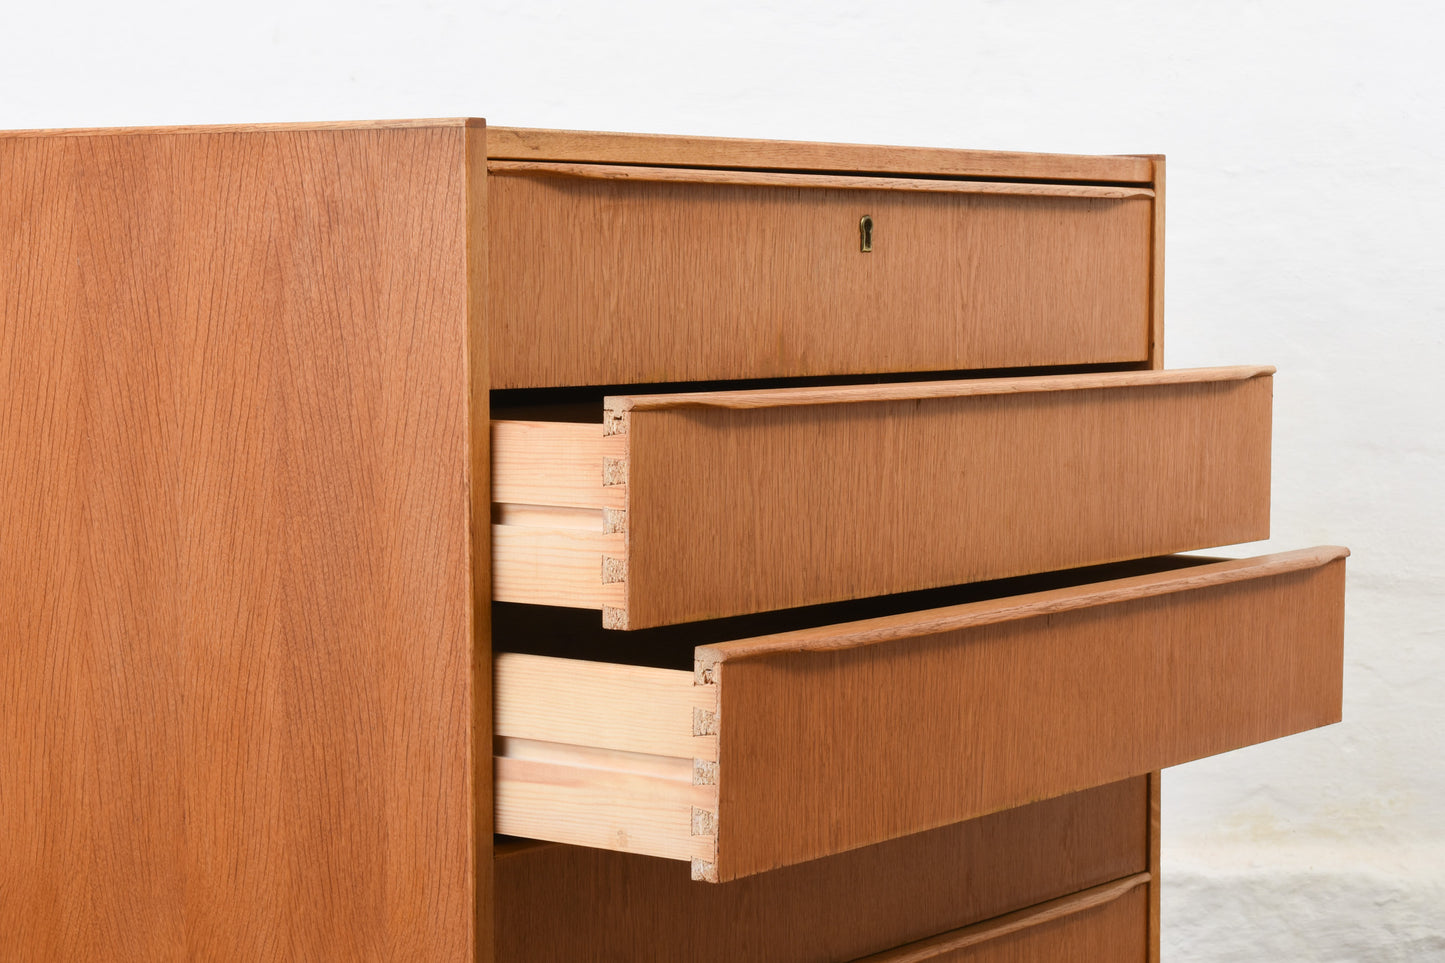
[
  {"x": 532, "y": 143},
  {"x": 1000, "y": 926},
  {"x": 735, "y": 177},
  {"x": 916, "y": 390},
  {"x": 933, "y": 621}
]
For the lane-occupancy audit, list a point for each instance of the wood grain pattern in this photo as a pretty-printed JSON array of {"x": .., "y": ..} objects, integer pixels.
[
  {"x": 633, "y": 708},
  {"x": 692, "y": 175},
  {"x": 1155, "y": 882},
  {"x": 968, "y": 943},
  {"x": 618, "y": 282},
  {"x": 955, "y": 724},
  {"x": 529, "y": 144},
  {"x": 731, "y": 510},
  {"x": 479, "y": 531},
  {"x": 1156, "y": 273},
  {"x": 915, "y": 390},
  {"x": 237, "y": 658},
  {"x": 626, "y": 807},
  {"x": 567, "y": 903},
  {"x": 265, "y": 128},
  {"x": 1103, "y": 925}
]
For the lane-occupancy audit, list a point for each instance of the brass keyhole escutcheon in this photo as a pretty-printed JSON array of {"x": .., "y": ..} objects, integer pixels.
[{"x": 865, "y": 233}]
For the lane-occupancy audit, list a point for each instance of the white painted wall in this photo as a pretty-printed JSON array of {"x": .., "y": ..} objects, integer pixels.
[{"x": 1306, "y": 144}]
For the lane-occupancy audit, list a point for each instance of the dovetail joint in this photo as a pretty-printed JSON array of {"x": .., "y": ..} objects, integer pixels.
[
  {"x": 614, "y": 520},
  {"x": 704, "y": 722},
  {"x": 614, "y": 422},
  {"x": 704, "y": 822},
  {"x": 704, "y": 773},
  {"x": 613, "y": 570},
  {"x": 614, "y": 471},
  {"x": 703, "y": 871}
]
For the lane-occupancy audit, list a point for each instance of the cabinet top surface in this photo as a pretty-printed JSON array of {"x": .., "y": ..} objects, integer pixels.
[{"x": 520, "y": 143}]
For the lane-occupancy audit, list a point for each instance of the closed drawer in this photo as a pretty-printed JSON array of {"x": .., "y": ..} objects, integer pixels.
[
  {"x": 1105, "y": 924},
  {"x": 558, "y": 902},
  {"x": 706, "y": 505},
  {"x": 786, "y": 747},
  {"x": 610, "y": 274}
]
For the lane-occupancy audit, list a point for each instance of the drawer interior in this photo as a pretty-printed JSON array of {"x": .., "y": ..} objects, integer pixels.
[{"x": 811, "y": 737}]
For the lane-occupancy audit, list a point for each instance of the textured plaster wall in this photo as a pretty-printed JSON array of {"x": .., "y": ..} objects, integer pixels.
[{"x": 1306, "y": 144}]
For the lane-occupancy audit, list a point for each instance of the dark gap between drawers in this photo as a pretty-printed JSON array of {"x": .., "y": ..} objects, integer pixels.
[
  {"x": 583, "y": 403},
  {"x": 578, "y": 634}
]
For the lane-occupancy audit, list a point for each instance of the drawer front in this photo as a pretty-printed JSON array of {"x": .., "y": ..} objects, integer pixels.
[
  {"x": 570, "y": 903},
  {"x": 706, "y": 505},
  {"x": 784, "y": 748},
  {"x": 1106, "y": 924},
  {"x": 619, "y": 279}
]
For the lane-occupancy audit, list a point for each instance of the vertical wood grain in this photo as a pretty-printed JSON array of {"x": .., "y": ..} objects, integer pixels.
[
  {"x": 1156, "y": 267},
  {"x": 479, "y": 763},
  {"x": 236, "y": 711},
  {"x": 1153, "y": 827}
]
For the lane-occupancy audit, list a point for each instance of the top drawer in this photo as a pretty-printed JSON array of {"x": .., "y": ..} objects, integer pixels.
[{"x": 614, "y": 274}]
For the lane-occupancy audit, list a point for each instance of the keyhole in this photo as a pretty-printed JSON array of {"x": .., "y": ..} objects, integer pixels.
[{"x": 865, "y": 234}]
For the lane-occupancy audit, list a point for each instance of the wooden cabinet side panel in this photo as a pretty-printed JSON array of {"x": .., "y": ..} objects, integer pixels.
[
  {"x": 235, "y": 632},
  {"x": 568, "y": 903},
  {"x": 822, "y": 750},
  {"x": 735, "y": 511},
  {"x": 616, "y": 283}
]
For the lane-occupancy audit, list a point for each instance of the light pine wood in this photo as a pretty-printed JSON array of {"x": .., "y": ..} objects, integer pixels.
[
  {"x": 555, "y": 463},
  {"x": 621, "y": 281},
  {"x": 600, "y": 754},
  {"x": 527, "y": 144},
  {"x": 632, "y": 708},
  {"x": 1103, "y": 924},
  {"x": 668, "y": 175},
  {"x": 238, "y": 647},
  {"x": 558, "y": 566},
  {"x": 732, "y": 498},
  {"x": 568, "y": 903},
  {"x": 624, "y": 805},
  {"x": 948, "y": 713}
]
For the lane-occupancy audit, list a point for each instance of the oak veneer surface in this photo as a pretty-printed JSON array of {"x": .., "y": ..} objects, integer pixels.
[
  {"x": 619, "y": 282},
  {"x": 1108, "y": 931},
  {"x": 236, "y": 648},
  {"x": 594, "y": 147},
  {"x": 566, "y": 903},
  {"x": 733, "y": 510},
  {"x": 996, "y": 704}
]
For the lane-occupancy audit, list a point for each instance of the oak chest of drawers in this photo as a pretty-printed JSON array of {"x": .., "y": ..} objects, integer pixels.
[{"x": 777, "y": 542}]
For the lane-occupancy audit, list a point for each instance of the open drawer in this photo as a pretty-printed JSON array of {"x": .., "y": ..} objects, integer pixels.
[
  {"x": 782, "y": 748},
  {"x": 681, "y": 507}
]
